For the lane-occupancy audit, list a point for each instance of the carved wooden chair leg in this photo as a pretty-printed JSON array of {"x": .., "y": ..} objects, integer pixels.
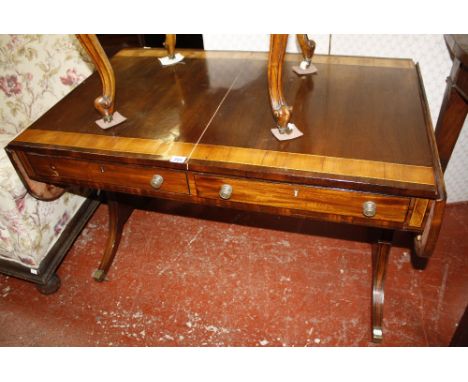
[
  {"x": 307, "y": 48},
  {"x": 281, "y": 111},
  {"x": 118, "y": 214},
  {"x": 172, "y": 57},
  {"x": 170, "y": 44},
  {"x": 104, "y": 103},
  {"x": 380, "y": 254}
]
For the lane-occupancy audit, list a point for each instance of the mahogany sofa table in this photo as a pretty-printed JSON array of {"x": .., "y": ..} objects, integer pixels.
[{"x": 200, "y": 132}]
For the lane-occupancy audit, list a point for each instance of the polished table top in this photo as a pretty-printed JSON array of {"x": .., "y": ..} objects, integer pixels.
[{"x": 364, "y": 120}]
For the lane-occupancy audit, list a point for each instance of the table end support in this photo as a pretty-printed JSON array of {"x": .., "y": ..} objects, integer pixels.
[
  {"x": 119, "y": 213},
  {"x": 380, "y": 255}
]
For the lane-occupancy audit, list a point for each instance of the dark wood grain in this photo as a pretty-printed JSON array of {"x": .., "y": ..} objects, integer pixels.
[
  {"x": 425, "y": 243},
  {"x": 450, "y": 123},
  {"x": 119, "y": 212},
  {"x": 107, "y": 175},
  {"x": 303, "y": 198},
  {"x": 354, "y": 112},
  {"x": 346, "y": 111},
  {"x": 458, "y": 46},
  {"x": 455, "y": 103},
  {"x": 173, "y": 104},
  {"x": 113, "y": 43}
]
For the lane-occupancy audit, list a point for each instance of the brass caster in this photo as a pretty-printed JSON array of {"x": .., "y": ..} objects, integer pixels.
[
  {"x": 377, "y": 335},
  {"x": 99, "y": 275}
]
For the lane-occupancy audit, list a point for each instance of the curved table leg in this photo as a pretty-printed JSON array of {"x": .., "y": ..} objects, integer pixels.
[
  {"x": 118, "y": 214},
  {"x": 170, "y": 44},
  {"x": 380, "y": 256},
  {"x": 104, "y": 103},
  {"x": 281, "y": 111}
]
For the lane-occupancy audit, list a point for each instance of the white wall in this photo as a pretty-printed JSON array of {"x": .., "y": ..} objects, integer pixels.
[{"x": 429, "y": 50}]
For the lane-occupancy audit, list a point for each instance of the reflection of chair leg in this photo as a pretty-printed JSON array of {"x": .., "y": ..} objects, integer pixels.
[
  {"x": 105, "y": 103},
  {"x": 118, "y": 214},
  {"x": 281, "y": 111},
  {"x": 170, "y": 45},
  {"x": 380, "y": 254}
]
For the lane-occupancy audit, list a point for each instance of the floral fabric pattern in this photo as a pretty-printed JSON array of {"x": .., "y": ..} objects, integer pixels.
[
  {"x": 36, "y": 71},
  {"x": 10, "y": 85}
]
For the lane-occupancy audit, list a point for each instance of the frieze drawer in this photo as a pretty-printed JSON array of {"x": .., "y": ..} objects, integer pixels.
[
  {"x": 306, "y": 198},
  {"x": 117, "y": 177}
]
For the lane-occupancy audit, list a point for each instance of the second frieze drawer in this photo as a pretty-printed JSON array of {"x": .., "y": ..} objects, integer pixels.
[{"x": 307, "y": 198}]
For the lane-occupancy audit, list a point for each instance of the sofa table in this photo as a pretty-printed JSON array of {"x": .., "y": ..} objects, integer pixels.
[{"x": 199, "y": 131}]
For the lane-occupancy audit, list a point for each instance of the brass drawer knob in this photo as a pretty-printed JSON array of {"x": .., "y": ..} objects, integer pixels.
[
  {"x": 369, "y": 209},
  {"x": 225, "y": 192},
  {"x": 157, "y": 181}
]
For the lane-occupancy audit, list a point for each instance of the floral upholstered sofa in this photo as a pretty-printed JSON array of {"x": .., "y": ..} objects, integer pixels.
[{"x": 36, "y": 71}]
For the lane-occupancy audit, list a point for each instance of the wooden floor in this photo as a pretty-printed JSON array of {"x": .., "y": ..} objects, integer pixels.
[{"x": 237, "y": 279}]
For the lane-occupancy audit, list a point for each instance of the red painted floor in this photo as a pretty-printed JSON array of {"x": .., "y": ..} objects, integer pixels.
[{"x": 239, "y": 279}]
